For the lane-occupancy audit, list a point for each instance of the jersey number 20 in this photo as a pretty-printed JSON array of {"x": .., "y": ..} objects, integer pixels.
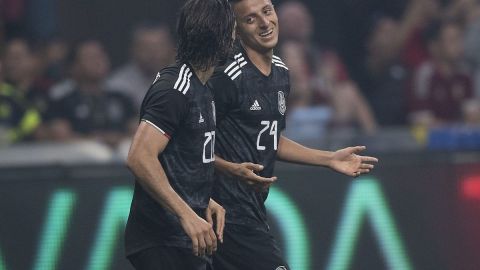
[
  {"x": 210, "y": 145},
  {"x": 273, "y": 132}
]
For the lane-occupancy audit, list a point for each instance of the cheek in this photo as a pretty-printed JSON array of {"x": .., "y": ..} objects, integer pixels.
[{"x": 247, "y": 33}]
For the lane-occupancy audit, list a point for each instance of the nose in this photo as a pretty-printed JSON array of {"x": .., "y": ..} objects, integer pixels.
[{"x": 264, "y": 22}]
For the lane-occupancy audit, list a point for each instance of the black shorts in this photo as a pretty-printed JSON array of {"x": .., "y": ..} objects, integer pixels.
[
  {"x": 168, "y": 258},
  {"x": 246, "y": 248}
]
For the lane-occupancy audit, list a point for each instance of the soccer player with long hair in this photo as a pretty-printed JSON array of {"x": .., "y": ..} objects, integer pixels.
[{"x": 172, "y": 153}]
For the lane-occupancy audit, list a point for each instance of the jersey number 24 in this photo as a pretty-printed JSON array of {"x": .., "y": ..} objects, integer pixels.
[{"x": 273, "y": 132}]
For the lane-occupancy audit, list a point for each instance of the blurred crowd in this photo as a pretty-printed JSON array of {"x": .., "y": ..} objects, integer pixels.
[{"x": 423, "y": 72}]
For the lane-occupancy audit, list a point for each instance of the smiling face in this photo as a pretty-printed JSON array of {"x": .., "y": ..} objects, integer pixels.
[{"x": 257, "y": 24}]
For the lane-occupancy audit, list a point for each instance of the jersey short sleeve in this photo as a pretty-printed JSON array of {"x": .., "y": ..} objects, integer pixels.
[
  {"x": 223, "y": 89},
  {"x": 165, "y": 109}
]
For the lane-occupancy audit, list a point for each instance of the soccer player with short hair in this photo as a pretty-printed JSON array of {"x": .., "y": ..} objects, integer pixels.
[
  {"x": 250, "y": 92},
  {"x": 172, "y": 152}
]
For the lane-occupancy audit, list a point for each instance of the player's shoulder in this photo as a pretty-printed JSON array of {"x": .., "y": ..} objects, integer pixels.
[
  {"x": 234, "y": 66},
  {"x": 278, "y": 63},
  {"x": 175, "y": 77}
]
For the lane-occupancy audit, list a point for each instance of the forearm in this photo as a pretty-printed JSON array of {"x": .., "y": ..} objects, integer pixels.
[
  {"x": 152, "y": 178},
  {"x": 223, "y": 166},
  {"x": 293, "y": 152}
]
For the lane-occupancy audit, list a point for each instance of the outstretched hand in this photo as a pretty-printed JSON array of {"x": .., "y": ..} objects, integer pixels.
[
  {"x": 247, "y": 172},
  {"x": 347, "y": 161}
]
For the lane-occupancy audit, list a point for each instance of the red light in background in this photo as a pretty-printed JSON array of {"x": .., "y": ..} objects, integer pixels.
[{"x": 471, "y": 188}]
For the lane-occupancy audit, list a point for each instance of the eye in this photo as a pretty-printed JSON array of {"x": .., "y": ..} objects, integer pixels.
[
  {"x": 267, "y": 11},
  {"x": 249, "y": 20}
]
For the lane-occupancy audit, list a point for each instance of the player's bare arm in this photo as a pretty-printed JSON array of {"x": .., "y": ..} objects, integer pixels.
[
  {"x": 346, "y": 161},
  {"x": 142, "y": 160}
]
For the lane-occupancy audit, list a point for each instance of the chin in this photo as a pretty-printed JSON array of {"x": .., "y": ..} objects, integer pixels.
[{"x": 270, "y": 45}]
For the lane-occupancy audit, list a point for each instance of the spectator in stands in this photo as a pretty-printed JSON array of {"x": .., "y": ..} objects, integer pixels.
[
  {"x": 472, "y": 41},
  {"x": 388, "y": 76},
  {"x": 21, "y": 70},
  {"x": 83, "y": 108},
  {"x": 410, "y": 42},
  {"x": 441, "y": 84},
  {"x": 19, "y": 120},
  {"x": 152, "y": 49},
  {"x": 318, "y": 76},
  {"x": 54, "y": 53}
]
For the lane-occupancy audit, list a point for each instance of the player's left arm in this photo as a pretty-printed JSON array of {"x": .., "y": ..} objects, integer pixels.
[
  {"x": 346, "y": 161},
  {"x": 246, "y": 171}
]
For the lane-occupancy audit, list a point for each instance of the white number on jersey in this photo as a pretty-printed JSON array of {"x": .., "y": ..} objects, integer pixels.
[
  {"x": 273, "y": 132},
  {"x": 210, "y": 143}
]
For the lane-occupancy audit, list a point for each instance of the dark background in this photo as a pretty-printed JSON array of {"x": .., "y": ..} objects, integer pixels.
[{"x": 340, "y": 24}]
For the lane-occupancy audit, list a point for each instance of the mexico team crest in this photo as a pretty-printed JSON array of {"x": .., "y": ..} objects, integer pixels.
[{"x": 282, "y": 106}]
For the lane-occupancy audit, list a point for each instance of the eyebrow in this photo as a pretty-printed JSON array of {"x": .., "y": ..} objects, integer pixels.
[{"x": 254, "y": 13}]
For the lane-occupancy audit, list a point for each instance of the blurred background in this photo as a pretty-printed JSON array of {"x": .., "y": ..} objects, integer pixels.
[{"x": 401, "y": 77}]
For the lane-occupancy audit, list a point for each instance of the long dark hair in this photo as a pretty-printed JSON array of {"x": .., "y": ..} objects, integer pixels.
[{"x": 204, "y": 32}]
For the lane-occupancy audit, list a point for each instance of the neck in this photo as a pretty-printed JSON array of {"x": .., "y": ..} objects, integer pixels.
[
  {"x": 262, "y": 60},
  {"x": 203, "y": 75}
]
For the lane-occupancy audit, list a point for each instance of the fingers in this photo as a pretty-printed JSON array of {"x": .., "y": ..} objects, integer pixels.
[
  {"x": 253, "y": 166},
  {"x": 220, "y": 225},
  {"x": 195, "y": 246},
  {"x": 355, "y": 174},
  {"x": 359, "y": 172},
  {"x": 357, "y": 149},
  {"x": 366, "y": 166},
  {"x": 208, "y": 216},
  {"x": 202, "y": 244},
  {"x": 368, "y": 159},
  {"x": 213, "y": 240},
  {"x": 251, "y": 176}
]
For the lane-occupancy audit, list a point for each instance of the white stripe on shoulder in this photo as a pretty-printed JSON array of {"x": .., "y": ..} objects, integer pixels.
[
  {"x": 230, "y": 66},
  {"x": 188, "y": 83},
  {"x": 153, "y": 125},
  {"x": 184, "y": 79},
  {"x": 277, "y": 61},
  {"x": 180, "y": 76},
  {"x": 236, "y": 75},
  {"x": 280, "y": 65},
  {"x": 233, "y": 70},
  {"x": 276, "y": 57}
]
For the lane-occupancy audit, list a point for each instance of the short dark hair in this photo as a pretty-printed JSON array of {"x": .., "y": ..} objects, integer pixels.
[{"x": 204, "y": 31}]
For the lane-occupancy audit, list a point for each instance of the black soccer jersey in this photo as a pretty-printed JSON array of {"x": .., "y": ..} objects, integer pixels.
[
  {"x": 250, "y": 117},
  {"x": 181, "y": 107}
]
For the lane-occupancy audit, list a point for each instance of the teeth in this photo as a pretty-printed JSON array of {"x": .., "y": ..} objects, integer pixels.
[{"x": 267, "y": 33}]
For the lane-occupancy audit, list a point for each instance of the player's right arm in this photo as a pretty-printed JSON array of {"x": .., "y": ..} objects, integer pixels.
[
  {"x": 163, "y": 112},
  {"x": 142, "y": 160}
]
